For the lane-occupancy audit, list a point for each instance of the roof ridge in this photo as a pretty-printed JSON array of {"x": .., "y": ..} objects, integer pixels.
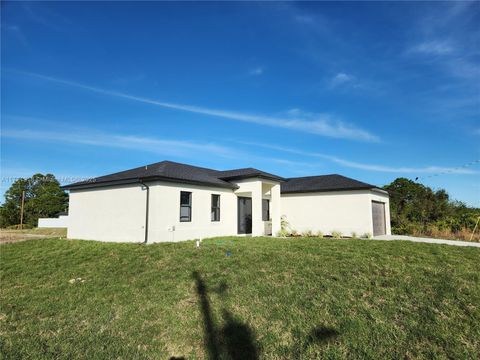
[
  {"x": 183, "y": 164},
  {"x": 238, "y": 169},
  {"x": 312, "y": 176}
]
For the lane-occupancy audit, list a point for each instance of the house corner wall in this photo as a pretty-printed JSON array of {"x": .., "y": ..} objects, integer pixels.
[{"x": 114, "y": 214}]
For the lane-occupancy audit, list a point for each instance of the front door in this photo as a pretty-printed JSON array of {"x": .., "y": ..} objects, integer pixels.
[{"x": 244, "y": 215}]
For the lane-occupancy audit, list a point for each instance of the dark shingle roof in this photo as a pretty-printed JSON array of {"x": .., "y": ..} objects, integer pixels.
[
  {"x": 183, "y": 173},
  {"x": 246, "y": 173},
  {"x": 169, "y": 170},
  {"x": 164, "y": 170},
  {"x": 322, "y": 183}
]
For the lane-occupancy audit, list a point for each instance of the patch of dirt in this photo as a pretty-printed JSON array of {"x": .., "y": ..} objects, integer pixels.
[{"x": 7, "y": 236}]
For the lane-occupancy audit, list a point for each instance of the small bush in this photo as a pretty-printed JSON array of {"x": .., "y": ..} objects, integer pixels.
[
  {"x": 284, "y": 224},
  {"x": 367, "y": 236},
  {"x": 319, "y": 234},
  {"x": 282, "y": 233},
  {"x": 308, "y": 233},
  {"x": 336, "y": 234},
  {"x": 294, "y": 233},
  {"x": 354, "y": 235}
]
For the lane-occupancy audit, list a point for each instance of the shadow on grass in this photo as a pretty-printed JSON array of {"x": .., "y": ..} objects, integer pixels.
[
  {"x": 235, "y": 340},
  {"x": 239, "y": 339},
  {"x": 321, "y": 334}
]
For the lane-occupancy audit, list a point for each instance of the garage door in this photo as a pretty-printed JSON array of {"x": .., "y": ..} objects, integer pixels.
[{"x": 378, "y": 216}]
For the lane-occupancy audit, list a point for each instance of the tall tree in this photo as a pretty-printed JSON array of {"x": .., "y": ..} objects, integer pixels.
[{"x": 43, "y": 198}]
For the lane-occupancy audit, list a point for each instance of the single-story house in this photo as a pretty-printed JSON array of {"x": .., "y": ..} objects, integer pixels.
[{"x": 169, "y": 201}]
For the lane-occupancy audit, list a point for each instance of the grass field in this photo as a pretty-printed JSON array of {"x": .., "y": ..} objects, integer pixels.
[{"x": 271, "y": 298}]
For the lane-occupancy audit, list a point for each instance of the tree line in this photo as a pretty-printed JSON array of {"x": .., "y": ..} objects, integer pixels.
[
  {"x": 42, "y": 197},
  {"x": 417, "y": 209}
]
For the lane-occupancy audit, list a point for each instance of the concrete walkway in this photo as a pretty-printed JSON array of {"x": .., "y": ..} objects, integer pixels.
[{"x": 427, "y": 240}]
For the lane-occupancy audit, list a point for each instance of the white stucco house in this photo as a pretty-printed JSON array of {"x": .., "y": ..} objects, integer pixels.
[{"x": 169, "y": 201}]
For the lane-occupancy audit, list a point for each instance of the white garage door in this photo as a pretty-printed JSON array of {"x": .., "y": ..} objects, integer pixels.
[{"x": 378, "y": 216}]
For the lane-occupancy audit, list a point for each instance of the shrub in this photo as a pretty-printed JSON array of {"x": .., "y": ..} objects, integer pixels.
[
  {"x": 367, "y": 235},
  {"x": 336, "y": 234},
  {"x": 308, "y": 233},
  {"x": 282, "y": 233},
  {"x": 319, "y": 234},
  {"x": 294, "y": 233},
  {"x": 284, "y": 224},
  {"x": 354, "y": 234}
]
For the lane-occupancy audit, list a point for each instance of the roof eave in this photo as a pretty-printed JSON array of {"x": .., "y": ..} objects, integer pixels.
[
  {"x": 149, "y": 178},
  {"x": 241, "y": 177}
]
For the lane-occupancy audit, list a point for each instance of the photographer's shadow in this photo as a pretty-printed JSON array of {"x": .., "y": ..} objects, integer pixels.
[{"x": 235, "y": 339}]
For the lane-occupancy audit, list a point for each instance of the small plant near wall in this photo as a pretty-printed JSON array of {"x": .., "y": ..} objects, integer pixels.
[
  {"x": 282, "y": 233},
  {"x": 367, "y": 235},
  {"x": 284, "y": 227},
  {"x": 308, "y": 233},
  {"x": 294, "y": 233},
  {"x": 319, "y": 234},
  {"x": 336, "y": 234},
  {"x": 354, "y": 235}
]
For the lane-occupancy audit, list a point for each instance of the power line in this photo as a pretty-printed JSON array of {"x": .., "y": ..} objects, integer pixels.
[{"x": 471, "y": 163}]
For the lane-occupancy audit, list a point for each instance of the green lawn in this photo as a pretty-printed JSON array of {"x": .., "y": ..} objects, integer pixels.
[{"x": 271, "y": 298}]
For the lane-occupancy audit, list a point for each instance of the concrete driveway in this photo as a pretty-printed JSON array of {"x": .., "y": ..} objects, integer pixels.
[{"x": 427, "y": 240}]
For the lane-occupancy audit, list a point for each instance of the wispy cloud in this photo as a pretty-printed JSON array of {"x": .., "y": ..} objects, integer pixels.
[
  {"x": 434, "y": 47},
  {"x": 450, "y": 37},
  {"x": 16, "y": 32},
  {"x": 304, "y": 19},
  {"x": 43, "y": 15},
  {"x": 347, "y": 81},
  {"x": 140, "y": 143},
  {"x": 185, "y": 148},
  {"x": 317, "y": 124},
  {"x": 256, "y": 71},
  {"x": 340, "y": 79},
  {"x": 366, "y": 166}
]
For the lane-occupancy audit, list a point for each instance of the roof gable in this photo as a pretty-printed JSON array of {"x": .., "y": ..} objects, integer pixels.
[{"x": 247, "y": 173}]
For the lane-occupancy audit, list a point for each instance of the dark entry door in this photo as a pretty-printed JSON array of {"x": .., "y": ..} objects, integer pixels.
[
  {"x": 378, "y": 216},
  {"x": 244, "y": 215}
]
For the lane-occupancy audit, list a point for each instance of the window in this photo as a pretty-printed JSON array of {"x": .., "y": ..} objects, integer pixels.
[
  {"x": 215, "y": 207},
  {"x": 265, "y": 209},
  {"x": 185, "y": 206}
]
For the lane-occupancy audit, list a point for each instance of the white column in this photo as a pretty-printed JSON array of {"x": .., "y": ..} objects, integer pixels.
[
  {"x": 258, "y": 228},
  {"x": 275, "y": 212}
]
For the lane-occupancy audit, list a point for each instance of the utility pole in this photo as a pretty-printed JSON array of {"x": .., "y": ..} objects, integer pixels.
[
  {"x": 21, "y": 210},
  {"x": 475, "y": 228}
]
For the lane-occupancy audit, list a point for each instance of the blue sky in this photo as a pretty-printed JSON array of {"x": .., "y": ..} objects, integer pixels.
[{"x": 373, "y": 91}]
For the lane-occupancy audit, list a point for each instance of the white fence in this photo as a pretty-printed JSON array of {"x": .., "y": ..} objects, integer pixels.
[{"x": 60, "y": 222}]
